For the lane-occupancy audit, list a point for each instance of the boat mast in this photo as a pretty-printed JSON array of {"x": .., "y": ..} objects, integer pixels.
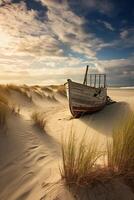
[
  {"x": 85, "y": 78},
  {"x": 104, "y": 80}
]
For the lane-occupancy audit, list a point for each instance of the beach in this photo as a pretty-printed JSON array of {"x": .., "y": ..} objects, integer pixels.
[{"x": 30, "y": 157}]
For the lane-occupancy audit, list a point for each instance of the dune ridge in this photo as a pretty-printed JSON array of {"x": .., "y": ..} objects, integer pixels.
[{"x": 30, "y": 157}]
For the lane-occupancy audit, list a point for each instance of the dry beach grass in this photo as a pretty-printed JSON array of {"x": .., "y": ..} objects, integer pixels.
[
  {"x": 80, "y": 160},
  {"x": 3, "y": 110},
  {"x": 29, "y": 160},
  {"x": 120, "y": 150},
  {"x": 24, "y": 90},
  {"x": 38, "y": 119}
]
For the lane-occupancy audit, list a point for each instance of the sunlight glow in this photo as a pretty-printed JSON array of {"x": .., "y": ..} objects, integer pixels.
[{"x": 5, "y": 39}]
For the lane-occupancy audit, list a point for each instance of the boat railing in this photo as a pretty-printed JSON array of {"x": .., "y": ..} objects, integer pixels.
[{"x": 94, "y": 80}]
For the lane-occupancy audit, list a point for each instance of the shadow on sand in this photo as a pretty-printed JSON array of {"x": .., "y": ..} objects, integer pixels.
[
  {"x": 114, "y": 189},
  {"x": 105, "y": 120},
  {"x": 49, "y": 142}
]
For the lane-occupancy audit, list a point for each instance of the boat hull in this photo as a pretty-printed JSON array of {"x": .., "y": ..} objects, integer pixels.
[{"x": 85, "y": 99}]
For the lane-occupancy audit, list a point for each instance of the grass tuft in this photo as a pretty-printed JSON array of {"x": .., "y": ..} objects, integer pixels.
[
  {"x": 24, "y": 90},
  {"x": 3, "y": 110},
  {"x": 15, "y": 109},
  {"x": 83, "y": 164},
  {"x": 38, "y": 120},
  {"x": 3, "y": 115},
  {"x": 3, "y": 99},
  {"x": 120, "y": 150},
  {"x": 47, "y": 89},
  {"x": 79, "y": 160},
  {"x": 61, "y": 90}
]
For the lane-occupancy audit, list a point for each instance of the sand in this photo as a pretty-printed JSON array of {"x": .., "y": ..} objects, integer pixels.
[{"x": 30, "y": 157}]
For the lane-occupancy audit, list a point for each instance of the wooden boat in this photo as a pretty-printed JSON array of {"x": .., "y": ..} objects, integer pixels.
[{"x": 84, "y": 98}]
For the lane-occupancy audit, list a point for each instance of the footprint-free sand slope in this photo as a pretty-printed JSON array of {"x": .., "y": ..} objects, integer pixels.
[{"x": 30, "y": 157}]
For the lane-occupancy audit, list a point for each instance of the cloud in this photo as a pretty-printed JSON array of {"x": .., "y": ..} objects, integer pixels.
[
  {"x": 124, "y": 34},
  {"x": 123, "y": 41},
  {"x": 43, "y": 49},
  {"x": 30, "y": 70},
  {"x": 60, "y": 30},
  {"x": 56, "y": 70},
  {"x": 3, "y": 2},
  {"x": 104, "y": 6},
  {"x": 119, "y": 71},
  {"x": 25, "y": 32},
  {"x": 107, "y": 25},
  {"x": 127, "y": 37},
  {"x": 68, "y": 27},
  {"x": 116, "y": 63},
  {"x": 53, "y": 45}
]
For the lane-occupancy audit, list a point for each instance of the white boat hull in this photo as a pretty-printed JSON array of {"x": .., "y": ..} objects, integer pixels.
[{"x": 85, "y": 99}]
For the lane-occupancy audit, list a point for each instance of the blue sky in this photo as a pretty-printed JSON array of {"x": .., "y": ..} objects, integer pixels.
[{"x": 48, "y": 41}]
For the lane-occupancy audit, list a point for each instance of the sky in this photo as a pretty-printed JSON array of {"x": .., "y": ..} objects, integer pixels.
[{"x": 48, "y": 41}]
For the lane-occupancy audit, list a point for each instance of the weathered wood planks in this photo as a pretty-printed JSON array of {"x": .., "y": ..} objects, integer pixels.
[{"x": 85, "y": 98}]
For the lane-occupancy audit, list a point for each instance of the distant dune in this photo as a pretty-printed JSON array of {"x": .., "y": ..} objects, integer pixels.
[{"x": 33, "y": 119}]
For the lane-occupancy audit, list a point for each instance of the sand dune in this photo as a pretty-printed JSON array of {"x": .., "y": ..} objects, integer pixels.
[{"x": 30, "y": 157}]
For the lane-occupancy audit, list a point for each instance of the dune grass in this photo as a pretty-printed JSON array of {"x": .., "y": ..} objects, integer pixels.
[
  {"x": 38, "y": 91},
  {"x": 47, "y": 89},
  {"x": 79, "y": 160},
  {"x": 61, "y": 90},
  {"x": 4, "y": 89},
  {"x": 52, "y": 98},
  {"x": 38, "y": 119},
  {"x": 3, "y": 115},
  {"x": 3, "y": 110},
  {"x": 24, "y": 90},
  {"x": 13, "y": 87},
  {"x": 15, "y": 109},
  {"x": 53, "y": 87},
  {"x": 5, "y": 106},
  {"x": 120, "y": 150},
  {"x": 3, "y": 99}
]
